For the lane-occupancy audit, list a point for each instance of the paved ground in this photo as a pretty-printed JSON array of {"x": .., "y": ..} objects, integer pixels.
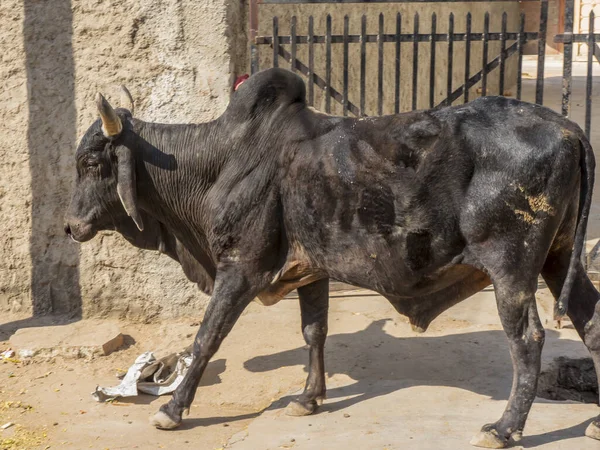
[{"x": 388, "y": 387}]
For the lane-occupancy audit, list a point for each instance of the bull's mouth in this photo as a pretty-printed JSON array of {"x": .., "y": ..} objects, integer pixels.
[{"x": 80, "y": 233}]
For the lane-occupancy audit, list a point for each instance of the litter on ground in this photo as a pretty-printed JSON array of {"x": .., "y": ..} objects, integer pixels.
[{"x": 149, "y": 375}]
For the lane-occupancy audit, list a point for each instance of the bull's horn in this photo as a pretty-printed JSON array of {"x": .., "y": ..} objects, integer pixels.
[
  {"x": 128, "y": 98},
  {"x": 111, "y": 124}
]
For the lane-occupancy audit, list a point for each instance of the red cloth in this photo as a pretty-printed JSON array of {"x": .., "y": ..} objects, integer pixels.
[{"x": 239, "y": 80}]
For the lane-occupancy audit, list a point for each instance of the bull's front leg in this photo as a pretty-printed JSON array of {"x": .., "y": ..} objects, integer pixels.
[
  {"x": 314, "y": 306},
  {"x": 230, "y": 297}
]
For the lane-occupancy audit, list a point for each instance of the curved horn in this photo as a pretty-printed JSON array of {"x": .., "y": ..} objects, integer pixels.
[
  {"x": 111, "y": 124},
  {"x": 128, "y": 98}
]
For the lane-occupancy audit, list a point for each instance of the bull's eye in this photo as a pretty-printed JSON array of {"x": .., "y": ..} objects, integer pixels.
[
  {"x": 92, "y": 162},
  {"x": 92, "y": 167}
]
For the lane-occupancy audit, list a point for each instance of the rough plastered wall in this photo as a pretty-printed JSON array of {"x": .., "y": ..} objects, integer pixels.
[
  {"x": 15, "y": 178},
  {"x": 178, "y": 58}
]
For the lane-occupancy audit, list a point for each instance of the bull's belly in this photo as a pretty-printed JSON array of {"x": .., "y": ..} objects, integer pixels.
[
  {"x": 400, "y": 284},
  {"x": 392, "y": 286}
]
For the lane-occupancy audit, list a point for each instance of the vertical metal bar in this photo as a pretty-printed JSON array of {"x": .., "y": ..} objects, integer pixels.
[
  {"x": 520, "y": 55},
  {"x": 311, "y": 61},
  {"x": 253, "y": 27},
  {"x": 450, "y": 57},
  {"x": 432, "y": 60},
  {"x": 363, "y": 61},
  {"x": 380, "y": 67},
  {"x": 502, "y": 54},
  {"x": 398, "y": 55},
  {"x": 588, "y": 105},
  {"x": 293, "y": 44},
  {"x": 539, "y": 86},
  {"x": 567, "y": 59},
  {"x": 486, "y": 31},
  {"x": 415, "y": 61},
  {"x": 275, "y": 42},
  {"x": 588, "y": 83},
  {"x": 345, "y": 74},
  {"x": 328, "y": 65},
  {"x": 467, "y": 58}
]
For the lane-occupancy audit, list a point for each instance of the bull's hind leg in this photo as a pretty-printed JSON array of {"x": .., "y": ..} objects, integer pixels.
[
  {"x": 314, "y": 306},
  {"x": 518, "y": 313},
  {"x": 584, "y": 310}
]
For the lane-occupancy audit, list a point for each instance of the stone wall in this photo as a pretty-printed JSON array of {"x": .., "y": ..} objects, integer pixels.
[{"x": 178, "y": 58}]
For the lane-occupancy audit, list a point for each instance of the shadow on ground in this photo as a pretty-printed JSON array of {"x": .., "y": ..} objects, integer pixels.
[
  {"x": 8, "y": 329},
  {"x": 575, "y": 431},
  {"x": 381, "y": 363}
]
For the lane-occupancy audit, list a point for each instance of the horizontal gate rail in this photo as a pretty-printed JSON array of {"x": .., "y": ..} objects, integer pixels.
[
  {"x": 576, "y": 38},
  {"x": 438, "y": 37},
  {"x": 290, "y": 2}
]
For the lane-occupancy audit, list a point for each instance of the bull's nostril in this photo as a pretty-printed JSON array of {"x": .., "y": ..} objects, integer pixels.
[{"x": 68, "y": 230}]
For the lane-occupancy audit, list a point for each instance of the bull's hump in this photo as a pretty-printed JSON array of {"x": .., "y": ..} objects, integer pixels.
[{"x": 266, "y": 90}]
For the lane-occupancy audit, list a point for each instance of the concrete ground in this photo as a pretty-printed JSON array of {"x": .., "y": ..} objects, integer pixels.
[{"x": 388, "y": 387}]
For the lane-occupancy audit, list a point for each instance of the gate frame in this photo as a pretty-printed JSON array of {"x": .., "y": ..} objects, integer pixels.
[{"x": 520, "y": 38}]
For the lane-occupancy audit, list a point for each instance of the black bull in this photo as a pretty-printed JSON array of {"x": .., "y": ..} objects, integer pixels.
[{"x": 427, "y": 208}]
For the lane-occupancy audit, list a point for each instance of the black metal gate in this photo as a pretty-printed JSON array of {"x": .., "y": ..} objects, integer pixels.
[
  {"x": 568, "y": 38},
  {"x": 283, "y": 48}
]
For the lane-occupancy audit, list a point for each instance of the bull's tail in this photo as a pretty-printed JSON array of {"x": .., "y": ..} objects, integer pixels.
[{"x": 587, "y": 165}]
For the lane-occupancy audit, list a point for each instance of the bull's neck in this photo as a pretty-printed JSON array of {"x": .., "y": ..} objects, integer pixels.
[{"x": 176, "y": 167}]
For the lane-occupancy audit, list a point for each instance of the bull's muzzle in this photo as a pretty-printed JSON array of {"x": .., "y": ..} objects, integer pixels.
[{"x": 79, "y": 231}]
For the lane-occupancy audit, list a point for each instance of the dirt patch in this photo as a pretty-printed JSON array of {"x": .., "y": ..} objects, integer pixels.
[{"x": 569, "y": 379}]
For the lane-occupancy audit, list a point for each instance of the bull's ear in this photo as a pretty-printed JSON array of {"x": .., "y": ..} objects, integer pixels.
[{"x": 126, "y": 184}]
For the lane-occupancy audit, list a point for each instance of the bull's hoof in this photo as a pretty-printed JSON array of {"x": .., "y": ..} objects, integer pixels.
[
  {"x": 302, "y": 407},
  {"x": 163, "y": 422},
  {"x": 417, "y": 328},
  {"x": 488, "y": 439},
  {"x": 419, "y": 322},
  {"x": 593, "y": 430},
  {"x": 297, "y": 409}
]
